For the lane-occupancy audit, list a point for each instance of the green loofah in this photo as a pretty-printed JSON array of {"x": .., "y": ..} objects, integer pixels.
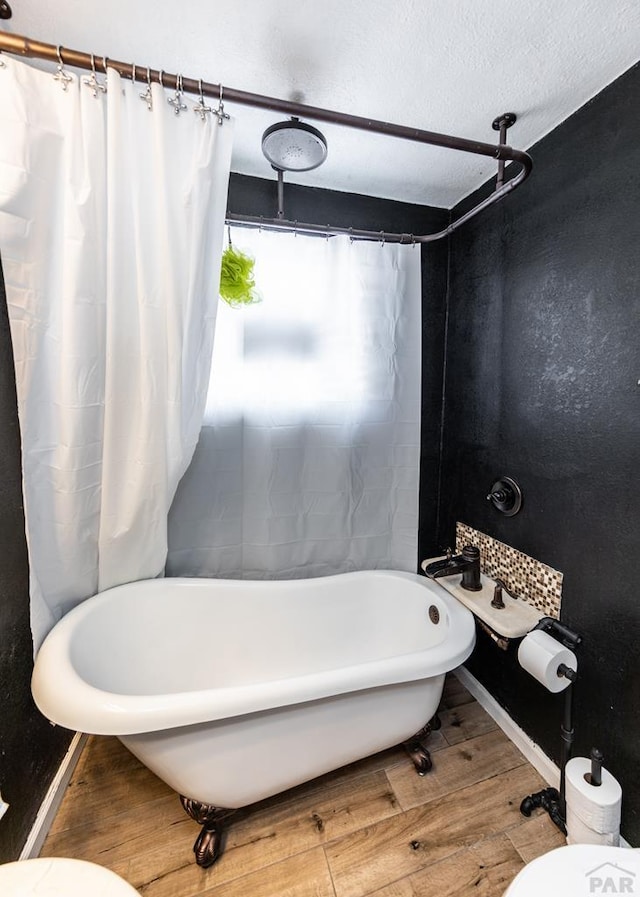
[{"x": 237, "y": 284}]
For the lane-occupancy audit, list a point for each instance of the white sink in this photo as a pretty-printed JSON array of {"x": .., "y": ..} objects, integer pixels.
[{"x": 513, "y": 621}]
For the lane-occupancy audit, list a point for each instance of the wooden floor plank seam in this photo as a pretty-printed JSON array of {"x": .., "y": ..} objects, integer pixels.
[
  {"x": 373, "y": 829},
  {"x": 326, "y": 859}
]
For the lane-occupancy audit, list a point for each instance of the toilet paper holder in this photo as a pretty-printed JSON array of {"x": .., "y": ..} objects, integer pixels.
[
  {"x": 559, "y": 631},
  {"x": 550, "y": 799}
]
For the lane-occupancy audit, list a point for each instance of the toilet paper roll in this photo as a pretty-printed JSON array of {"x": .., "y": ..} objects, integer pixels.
[
  {"x": 541, "y": 655},
  {"x": 593, "y": 812},
  {"x": 578, "y": 832}
]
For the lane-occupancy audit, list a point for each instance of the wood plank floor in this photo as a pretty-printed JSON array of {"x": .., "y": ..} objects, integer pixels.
[{"x": 372, "y": 828}]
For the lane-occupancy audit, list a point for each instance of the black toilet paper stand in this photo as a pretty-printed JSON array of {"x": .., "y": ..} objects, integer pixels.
[{"x": 551, "y": 800}]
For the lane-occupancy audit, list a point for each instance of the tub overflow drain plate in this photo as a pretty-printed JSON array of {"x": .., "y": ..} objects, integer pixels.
[{"x": 434, "y": 614}]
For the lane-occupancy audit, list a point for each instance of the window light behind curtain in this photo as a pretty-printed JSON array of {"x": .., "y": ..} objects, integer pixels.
[{"x": 308, "y": 460}]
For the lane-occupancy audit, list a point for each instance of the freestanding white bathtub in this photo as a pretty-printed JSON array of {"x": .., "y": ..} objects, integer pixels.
[{"x": 232, "y": 691}]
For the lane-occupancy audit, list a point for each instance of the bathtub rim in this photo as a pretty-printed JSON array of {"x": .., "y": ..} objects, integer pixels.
[{"x": 66, "y": 699}]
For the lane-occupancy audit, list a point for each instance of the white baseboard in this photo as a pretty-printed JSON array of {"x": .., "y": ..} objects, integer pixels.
[
  {"x": 532, "y": 751},
  {"x": 53, "y": 798}
]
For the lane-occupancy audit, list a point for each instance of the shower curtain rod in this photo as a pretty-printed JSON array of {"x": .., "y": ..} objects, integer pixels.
[{"x": 19, "y": 45}]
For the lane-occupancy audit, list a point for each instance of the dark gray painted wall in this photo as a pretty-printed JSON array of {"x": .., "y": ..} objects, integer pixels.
[
  {"x": 543, "y": 364},
  {"x": 30, "y": 749}
]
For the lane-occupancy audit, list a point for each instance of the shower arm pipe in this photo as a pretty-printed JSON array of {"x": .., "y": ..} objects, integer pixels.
[{"x": 20, "y": 45}]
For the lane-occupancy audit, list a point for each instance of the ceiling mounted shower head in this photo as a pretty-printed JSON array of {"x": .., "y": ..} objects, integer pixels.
[{"x": 294, "y": 146}]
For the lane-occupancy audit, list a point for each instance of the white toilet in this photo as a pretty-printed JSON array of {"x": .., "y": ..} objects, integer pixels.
[
  {"x": 58, "y": 877},
  {"x": 580, "y": 869}
]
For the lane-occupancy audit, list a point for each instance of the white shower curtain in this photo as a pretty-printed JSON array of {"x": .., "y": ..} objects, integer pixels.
[
  {"x": 308, "y": 461},
  {"x": 111, "y": 228}
]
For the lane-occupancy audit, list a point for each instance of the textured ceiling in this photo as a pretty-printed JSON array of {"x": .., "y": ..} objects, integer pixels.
[{"x": 448, "y": 66}]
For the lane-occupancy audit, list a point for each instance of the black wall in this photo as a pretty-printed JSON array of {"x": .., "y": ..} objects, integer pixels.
[
  {"x": 542, "y": 384},
  {"x": 30, "y": 749}
]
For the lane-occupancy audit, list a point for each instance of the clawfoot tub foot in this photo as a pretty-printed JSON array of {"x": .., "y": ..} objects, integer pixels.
[
  {"x": 417, "y": 749},
  {"x": 208, "y": 847}
]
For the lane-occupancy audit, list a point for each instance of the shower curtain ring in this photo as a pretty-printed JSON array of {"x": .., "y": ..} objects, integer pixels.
[
  {"x": 295, "y": 228},
  {"x": 61, "y": 76},
  {"x": 220, "y": 113},
  {"x": 161, "y": 77},
  {"x": 201, "y": 107},
  {"x": 381, "y": 238},
  {"x": 147, "y": 96},
  {"x": 176, "y": 99},
  {"x": 133, "y": 73},
  {"x": 92, "y": 81},
  {"x": 351, "y": 235}
]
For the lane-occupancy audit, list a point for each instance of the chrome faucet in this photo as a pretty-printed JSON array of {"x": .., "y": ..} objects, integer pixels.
[{"x": 467, "y": 563}]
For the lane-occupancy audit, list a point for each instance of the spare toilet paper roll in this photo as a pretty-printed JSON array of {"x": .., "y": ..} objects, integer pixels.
[
  {"x": 578, "y": 832},
  {"x": 593, "y": 812},
  {"x": 541, "y": 655}
]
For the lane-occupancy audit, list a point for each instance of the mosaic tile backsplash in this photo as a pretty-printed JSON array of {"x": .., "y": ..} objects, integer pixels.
[{"x": 527, "y": 578}]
